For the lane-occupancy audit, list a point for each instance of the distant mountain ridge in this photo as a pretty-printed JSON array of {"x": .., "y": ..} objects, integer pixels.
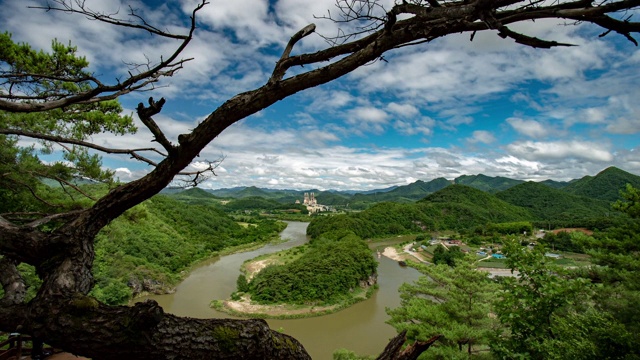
[
  {"x": 487, "y": 183},
  {"x": 605, "y": 186}
]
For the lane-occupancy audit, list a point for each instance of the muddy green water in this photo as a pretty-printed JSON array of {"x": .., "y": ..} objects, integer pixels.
[{"x": 360, "y": 328}]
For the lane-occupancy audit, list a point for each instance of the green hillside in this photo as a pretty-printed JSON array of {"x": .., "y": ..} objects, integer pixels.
[
  {"x": 475, "y": 205},
  {"x": 487, "y": 183},
  {"x": 555, "y": 184},
  {"x": 194, "y": 196},
  {"x": 606, "y": 185},
  {"x": 420, "y": 189},
  {"x": 546, "y": 203},
  {"x": 454, "y": 207},
  {"x": 252, "y": 203},
  {"x": 147, "y": 248},
  {"x": 251, "y": 191},
  {"x": 406, "y": 193},
  {"x": 332, "y": 198}
]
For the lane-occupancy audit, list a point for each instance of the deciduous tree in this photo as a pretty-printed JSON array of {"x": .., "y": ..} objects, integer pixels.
[{"x": 550, "y": 313}]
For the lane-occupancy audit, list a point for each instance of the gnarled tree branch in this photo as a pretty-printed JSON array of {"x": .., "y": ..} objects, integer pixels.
[
  {"x": 165, "y": 68},
  {"x": 59, "y": 139}
]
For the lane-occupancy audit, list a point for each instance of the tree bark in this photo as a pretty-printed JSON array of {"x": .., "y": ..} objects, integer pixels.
[
  {"x": 83, "y": 326},
  {"x": 394, "y": 351},
  {"x": 12, "y": 283}
]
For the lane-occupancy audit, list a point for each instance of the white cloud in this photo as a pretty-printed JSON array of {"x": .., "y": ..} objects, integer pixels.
[
  {"x": 449, "y": 84},
  {"x": 624, "y": 126},
  {"x": 559, "y": 150},
  {"x": 423, "y": 126},
  {"x": 367, "y": 119},
  {"x": 404, "y": 110},
  {"x": 530, "y": 128},
  {"x": 482, "y": 136}
]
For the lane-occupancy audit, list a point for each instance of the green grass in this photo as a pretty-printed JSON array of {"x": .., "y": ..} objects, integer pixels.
[{"x": 493, "y": 263}]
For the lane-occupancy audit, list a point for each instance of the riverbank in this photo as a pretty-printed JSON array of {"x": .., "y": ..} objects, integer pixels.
[
  {"x": 244, "y": 307},
  {"x": 166, "y": 289},
  {"x": 241, "y": 304}
]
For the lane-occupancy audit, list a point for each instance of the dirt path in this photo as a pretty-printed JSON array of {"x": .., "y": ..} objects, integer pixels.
[
  {"x": 393, "y": 254},
  {"x": 255, "y": 267}
]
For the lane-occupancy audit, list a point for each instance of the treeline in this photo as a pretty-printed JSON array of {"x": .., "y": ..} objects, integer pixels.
[
  {"x": 260, "y": 203},
  {"x": 466, "y": 209},
  {"x": 455, "y": 207},
  {"x": 148, "y": 247},
  {"x": 330, "y": 268}
]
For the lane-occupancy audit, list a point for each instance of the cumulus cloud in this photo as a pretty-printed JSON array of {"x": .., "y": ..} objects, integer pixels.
[
  {"x": 624, "y": 126},
  {"x": 482, "y": 136},
  {"x": 403, "y": 110},
  {"x": 530, "y": 128},
  {"x": 367, "y": 119},
  {"x": 558, "y": 150},
  {"x": 423, "y": 126}
]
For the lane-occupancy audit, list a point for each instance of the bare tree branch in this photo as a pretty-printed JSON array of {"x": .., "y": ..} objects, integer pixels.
[
  {"x": 197, "y": 177},
  {"x": 137, "y": 82},
  {"x": 394, "y": 351},
  {"x": 67, "y": 6},
  {"x": 59, "y": 139}
]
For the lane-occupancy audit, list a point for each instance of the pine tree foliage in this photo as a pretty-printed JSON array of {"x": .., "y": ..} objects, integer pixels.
[{"x": 451, "y": 301}]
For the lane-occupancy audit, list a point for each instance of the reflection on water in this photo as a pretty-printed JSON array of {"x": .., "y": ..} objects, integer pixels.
[{"x": 360, "y": 328}]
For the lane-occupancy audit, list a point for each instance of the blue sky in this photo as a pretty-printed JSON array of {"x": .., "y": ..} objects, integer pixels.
[{"x": 443, "y": 109}]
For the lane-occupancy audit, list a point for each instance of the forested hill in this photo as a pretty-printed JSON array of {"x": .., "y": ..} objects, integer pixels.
[
  {"x": 407, "y": 193},
  {"x": 606, "y": 185},
  {"x": 487, "y": 183},
  {"x": 463, "y": 205},
  {"x": 454, "y": 207},
  {"x": 148, "y": 247},
  {"x": 546, "y": 203}
]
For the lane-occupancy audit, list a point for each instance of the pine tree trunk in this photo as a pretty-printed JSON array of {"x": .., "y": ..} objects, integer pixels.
[{"x": 83, "y": 326}]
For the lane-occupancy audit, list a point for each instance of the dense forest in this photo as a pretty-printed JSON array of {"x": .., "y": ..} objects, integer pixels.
[
  {"x": 148, "y": 248},
  {"x": 329, "y": 269},
  {"x": 454, "y": 207}
]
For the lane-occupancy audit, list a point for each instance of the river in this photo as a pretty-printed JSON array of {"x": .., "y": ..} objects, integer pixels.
[{"x": 360, "y": 328}]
